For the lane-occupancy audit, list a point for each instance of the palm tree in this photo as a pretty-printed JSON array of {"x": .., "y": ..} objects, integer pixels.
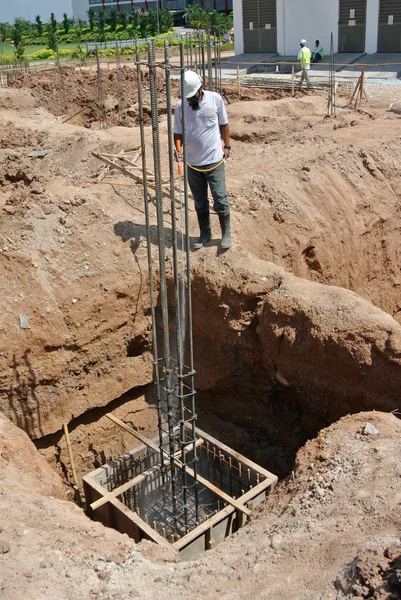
[
  {"x": 39, "y": 25},
  {"x": 53, "y": 22},
  {"x": 66, "y": 23},
  {"x": 102, "y": 24},
  {"x": 113, "y": 18},
  {"x": 124, "y": 19},
  {"x": 91, "y": 19}
]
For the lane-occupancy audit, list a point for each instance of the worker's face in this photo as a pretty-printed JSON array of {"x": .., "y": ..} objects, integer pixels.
[
  {"x": 317, "y": 43},
  {"x": 194, "y": 100}
]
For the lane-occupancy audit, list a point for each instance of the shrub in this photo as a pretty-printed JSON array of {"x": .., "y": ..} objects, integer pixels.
[
  {"x": 44, "y": 54},
  {"x": 106, "y": 52},
  {"x": 64, "y": 52},
  {"x": 78, "y": 54}
]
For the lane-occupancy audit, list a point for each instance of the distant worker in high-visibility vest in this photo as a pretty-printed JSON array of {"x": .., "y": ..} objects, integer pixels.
[
  {"x": 304, "y": 57},
  {"x": 318, "y": 52}
]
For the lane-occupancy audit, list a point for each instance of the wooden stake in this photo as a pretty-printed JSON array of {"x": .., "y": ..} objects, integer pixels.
[
  {"x": 355, "y": 90},
  {"x": 361, "y": 90},
  {"x": 69, "y": 448},
  {"x": 293, "y": 80}
]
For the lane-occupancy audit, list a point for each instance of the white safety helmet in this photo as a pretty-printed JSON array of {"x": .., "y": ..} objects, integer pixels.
[
  {"x": 192, "y": 83},
  {"x": 303, "y": 42}
]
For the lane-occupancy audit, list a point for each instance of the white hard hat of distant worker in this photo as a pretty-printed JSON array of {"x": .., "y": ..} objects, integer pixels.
[
  {"x": 192, "y": 83},
  {"x": 303, "y": 42}
]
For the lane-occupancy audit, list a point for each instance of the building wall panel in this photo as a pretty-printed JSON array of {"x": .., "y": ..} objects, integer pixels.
[
  {"x": 389, "y": 39},
  {"x": 309, "y": 19}
]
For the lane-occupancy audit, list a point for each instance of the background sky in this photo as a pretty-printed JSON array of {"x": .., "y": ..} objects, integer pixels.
[{"x": 9, "y": 9}]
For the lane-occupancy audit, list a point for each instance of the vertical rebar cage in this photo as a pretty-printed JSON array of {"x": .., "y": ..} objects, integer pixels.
[
  {"x": 173, "y": 356},
  {"x": 184, "y": 490}
]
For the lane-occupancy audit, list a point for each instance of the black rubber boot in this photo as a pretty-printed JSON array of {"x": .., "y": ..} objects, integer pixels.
[
  {"x": 205, "y": 230},
  {"x": 225, "y": 231}
]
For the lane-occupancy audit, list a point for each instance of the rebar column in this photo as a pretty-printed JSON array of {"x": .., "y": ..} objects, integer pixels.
[
  {"x": 203, "y": 70},
  {"x": 191, "y": 372},
  {"x": 149, "y": 254},
  {"x": 102, "y": 114},
  {"x": 180, "y": 350},
  {"x": 120, "y": 93},
  {"x": 162, "y": 264},
  {"x": 63, "y": 101},
  {"x": 209, "y": 64}
]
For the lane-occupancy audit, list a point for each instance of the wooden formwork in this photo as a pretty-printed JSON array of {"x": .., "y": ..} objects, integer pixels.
[{"x": 236, "y": 483}]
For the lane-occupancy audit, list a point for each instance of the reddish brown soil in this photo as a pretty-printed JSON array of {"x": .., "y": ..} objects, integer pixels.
[
  {"x": 331, "y": 530},
  {"x": 80, "y": 92},
  {"x": 280, "y": 350}
]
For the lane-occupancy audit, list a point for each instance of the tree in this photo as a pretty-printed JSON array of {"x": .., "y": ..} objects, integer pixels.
[
  {"x": 24, "y": 25},
  {"x": 5, "y": 30},
  {"x": 143, "y": 25},
  {"x": 91, "y": 19},
  {"x": 17, "y": 40},
  {"x": 39, "y": 25},
  {"x": 53, "y": 22},
  {"x": 134, "y": 18},
  {"x": 66, "y": 23},
  {"x": 197, "y": 17},
  {"x": 166, "y": 20},
  {"x": 101, "y": 25},
  {"x": 113, "y": 18},
  {"x": 218, "y": 23},
  {"x": 51, "y": 38},
  {"x": 124, "y": 18},
  {"x": 78, "y": 38},
  {"x": 151, "y": 29}
]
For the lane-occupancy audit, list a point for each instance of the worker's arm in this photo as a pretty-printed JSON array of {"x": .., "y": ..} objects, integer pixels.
[
  {"x": 225, "y": 134},
  {"x": 177, "y": 137}
]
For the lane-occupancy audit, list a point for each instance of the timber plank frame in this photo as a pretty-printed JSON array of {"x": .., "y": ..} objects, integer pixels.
[{"x": 233, "y": 514}]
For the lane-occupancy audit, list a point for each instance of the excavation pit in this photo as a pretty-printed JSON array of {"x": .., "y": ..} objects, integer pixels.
[{"x": 131, "y": 495}]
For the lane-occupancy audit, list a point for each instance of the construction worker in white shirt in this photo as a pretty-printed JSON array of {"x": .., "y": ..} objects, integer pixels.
[
  {"x": 208, "y": 146},
  {"x": 304, "y": 57},
  {"x": 318, "y": 52}
]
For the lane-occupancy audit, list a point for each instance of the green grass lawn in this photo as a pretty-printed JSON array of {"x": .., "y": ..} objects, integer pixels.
[{"x": 7, "y": 49}]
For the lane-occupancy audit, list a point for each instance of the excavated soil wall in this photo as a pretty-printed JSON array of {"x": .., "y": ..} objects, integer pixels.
[
  {"x": 278, "y": 355},
  {"x": 277, "y": 359}
]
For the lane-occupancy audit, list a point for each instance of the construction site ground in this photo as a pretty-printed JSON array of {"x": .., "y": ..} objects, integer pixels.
[{"x": 297, "y": 340}]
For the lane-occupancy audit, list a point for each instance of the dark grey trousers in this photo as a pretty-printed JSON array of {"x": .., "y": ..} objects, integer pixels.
[{"x": 216, "y": 180}]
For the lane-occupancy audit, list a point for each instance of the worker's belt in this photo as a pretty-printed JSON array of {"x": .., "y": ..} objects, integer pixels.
[{"x": 206, "y": 170}]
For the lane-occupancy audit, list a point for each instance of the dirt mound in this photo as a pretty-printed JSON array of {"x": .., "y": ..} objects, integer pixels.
[
  {"x": 15, "y": 137},
  {"x": 327, "y": 197},
  {"x": 23, "y": 101},
  {"x": 80, "y": 95},
  {"x": 260, "y": 110},
  {"x": 24, "y": 466},
  {"x": 270, "y": 331},
  {"x": 325, "y": 525},
  {"x": 248, "y": 93}
]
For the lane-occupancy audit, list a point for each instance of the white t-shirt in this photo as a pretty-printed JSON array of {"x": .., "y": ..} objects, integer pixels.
[{"x": 203, "y": 132}]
